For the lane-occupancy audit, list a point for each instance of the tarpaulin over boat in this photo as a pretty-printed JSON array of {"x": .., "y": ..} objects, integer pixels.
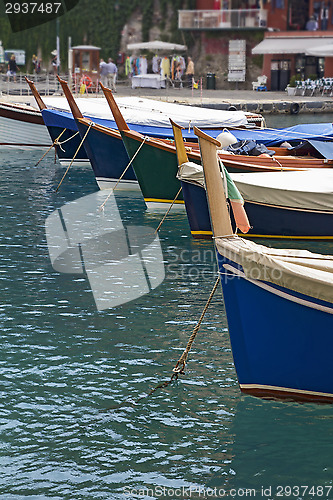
[
  {"x": 271, "y": 137},
  {"x": 149, "y": 112},
  {"x": 307, "y": 189},
  {"x": 319, "y": 149},
  {"x": 133, "y": 111},
  {"x": 299, "y": 270}
]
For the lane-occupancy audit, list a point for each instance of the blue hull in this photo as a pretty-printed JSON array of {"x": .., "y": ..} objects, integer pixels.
[
  {"x": 107, "y": 155},
  {"x": 282, "y": 348},
  {"x": 267, "y": 221},
  {"x": 69, "y": 145}
]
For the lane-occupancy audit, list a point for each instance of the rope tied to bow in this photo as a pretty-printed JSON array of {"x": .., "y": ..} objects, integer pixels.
[
  {"x": 146, "y": 138},
  {"x": 76, "y": 152},
  {"x": 55, "y": 142}
]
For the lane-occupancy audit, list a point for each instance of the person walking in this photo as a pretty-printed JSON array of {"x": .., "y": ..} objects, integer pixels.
[
  {"x": 55, "y": 62},
  {"x": 34, "y": 61},
  {"x": 12, "y": 68},
  {"x": 112, "y": 74},
  {"x": 103, "y": 72},
  {"x": 189, "y": 72}
]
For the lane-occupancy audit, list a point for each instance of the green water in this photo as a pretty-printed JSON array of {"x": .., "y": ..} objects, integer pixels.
[{"x": 63, "y": 363}]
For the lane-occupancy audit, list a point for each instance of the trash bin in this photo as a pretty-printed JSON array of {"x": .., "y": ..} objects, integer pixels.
[{"x": 211, "y": 81}]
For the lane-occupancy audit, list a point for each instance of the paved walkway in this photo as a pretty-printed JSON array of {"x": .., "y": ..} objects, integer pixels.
[{"x": 246, "y": 100}]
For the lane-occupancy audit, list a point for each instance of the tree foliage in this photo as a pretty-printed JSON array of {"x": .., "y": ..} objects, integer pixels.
[{"x": 95, "y": 23}]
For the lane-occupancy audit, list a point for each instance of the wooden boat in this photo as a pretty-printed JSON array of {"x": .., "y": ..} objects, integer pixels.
[
  {"x": 104, "y": 147},
  {"x": 294, "y": 205},
  {"x": 22, "y": 126},
  {"x": 68, "y": 144},
  {"x": 279, "y": 306},
  {"x": 156, "y": 164}
]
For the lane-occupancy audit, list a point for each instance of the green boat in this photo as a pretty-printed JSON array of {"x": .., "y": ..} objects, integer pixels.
[{"x": 155, "y": 161}]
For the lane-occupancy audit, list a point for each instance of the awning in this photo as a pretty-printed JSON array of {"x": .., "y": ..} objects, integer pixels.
[
  {"x": 321, "y": 51},
  {"x": 288, "y": 45},
  {"x": 156, "y": 45}
]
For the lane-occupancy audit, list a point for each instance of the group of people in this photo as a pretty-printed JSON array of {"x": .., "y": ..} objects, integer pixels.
[{"x": 108, "y": 73}]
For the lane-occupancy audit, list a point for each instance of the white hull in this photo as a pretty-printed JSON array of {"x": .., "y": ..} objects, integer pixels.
[
  {"x": 23, "y": 133},
  {"x": 154, "y": 206}
]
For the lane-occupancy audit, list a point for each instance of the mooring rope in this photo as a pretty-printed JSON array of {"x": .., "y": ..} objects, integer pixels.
[
  {"x": 177, "y": 370},
  {"x": 76, "y": 152},
  {"x": 66, "y": 140},
  {"x": 180, "y": 370},
  {"x": 124, "y": 172},
  {"x": 49, "y": 149},
  {"x": 166, "y": 213}
]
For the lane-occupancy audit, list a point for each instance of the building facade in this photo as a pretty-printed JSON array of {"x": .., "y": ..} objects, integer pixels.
[{"x": 296, "y": 34}]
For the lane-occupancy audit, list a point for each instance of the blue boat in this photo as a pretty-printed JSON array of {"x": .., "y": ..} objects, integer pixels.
[
  {"x": 295, "y": 204},
  {"x": 104, "y": 147},
  {"x": 62, "y": 130},
  {"x": 279, "y": 306}
]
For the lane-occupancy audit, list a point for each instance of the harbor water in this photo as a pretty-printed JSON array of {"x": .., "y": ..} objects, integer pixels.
[{"x": 74, "y": 347}]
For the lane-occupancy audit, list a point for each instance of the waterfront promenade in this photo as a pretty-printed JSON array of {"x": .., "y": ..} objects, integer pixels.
[{"x": 264, "y": 102}]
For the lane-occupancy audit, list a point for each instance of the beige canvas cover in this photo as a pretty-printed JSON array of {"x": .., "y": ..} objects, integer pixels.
[
  {"x": 191, "y": 172},
  {"x": 310, "y": 189},
  {"x": 299, "y": 270}
]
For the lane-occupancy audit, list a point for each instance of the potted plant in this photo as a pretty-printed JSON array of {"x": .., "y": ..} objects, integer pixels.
[{"x": 291, "y": 87}]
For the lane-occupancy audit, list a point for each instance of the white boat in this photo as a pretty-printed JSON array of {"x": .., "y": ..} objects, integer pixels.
[{"x": 22, "y": 126}]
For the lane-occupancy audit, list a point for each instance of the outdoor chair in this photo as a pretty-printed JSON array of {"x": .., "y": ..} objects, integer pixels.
[{"x": 260, "y": 84}]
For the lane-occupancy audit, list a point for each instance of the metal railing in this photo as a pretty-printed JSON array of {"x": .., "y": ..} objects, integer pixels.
[
  {"x": 47, "y": 84},
  {"x": 222, "y": 19}
]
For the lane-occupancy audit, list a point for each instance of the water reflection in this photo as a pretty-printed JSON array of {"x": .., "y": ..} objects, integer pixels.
[{"x": 121, "y": 263}]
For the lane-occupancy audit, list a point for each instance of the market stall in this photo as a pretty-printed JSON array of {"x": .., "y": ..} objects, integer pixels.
[{"x": 162, "y": 66}]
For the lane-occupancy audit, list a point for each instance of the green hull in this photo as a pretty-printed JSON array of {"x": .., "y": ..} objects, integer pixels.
[{"x": 155, "y": 170}]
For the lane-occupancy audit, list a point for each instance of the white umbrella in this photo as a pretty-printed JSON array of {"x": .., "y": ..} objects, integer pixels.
[
  {"x": 321, "y": 51},
  {"x": 156, "y": 45}
]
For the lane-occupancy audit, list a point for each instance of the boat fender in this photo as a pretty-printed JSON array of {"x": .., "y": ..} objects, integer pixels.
[
  {"x": 232, "y": 108},
  {"x": 226, "y": 138},
  {"x": 294, "y": 108},
  {"x": 86, "y": 80}
]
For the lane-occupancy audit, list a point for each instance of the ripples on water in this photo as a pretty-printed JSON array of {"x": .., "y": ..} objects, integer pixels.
[{"x": 62, "y": 362}]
